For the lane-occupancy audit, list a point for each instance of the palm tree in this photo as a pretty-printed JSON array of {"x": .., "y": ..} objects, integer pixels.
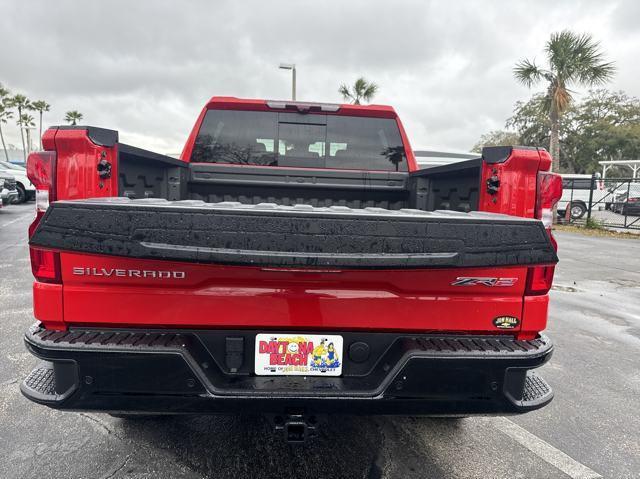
[
  {"x": 73, "y": 117},
  {"x": 574, "y": 59},
  {"x": 26, "y": 122},
  {"x": 5, "y": 115},
  {"x": 361, "y": 90},
  {"x": 22, "y": 103},
  {"x": 41, "y": 106}
]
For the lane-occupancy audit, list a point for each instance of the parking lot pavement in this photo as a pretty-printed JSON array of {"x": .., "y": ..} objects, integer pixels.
[{"x": 591, "y": 429}]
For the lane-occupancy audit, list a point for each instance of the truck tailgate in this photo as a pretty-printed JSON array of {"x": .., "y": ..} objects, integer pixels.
[{"x": 196, "y": 264}]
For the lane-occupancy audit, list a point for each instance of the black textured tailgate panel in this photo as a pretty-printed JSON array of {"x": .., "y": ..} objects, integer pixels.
[{"x": 301, "y": 235}]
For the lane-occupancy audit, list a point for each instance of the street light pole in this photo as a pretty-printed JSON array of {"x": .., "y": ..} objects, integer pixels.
[
  {"x": 293, "y": 83},
  {"x": 292, "y": 67}
]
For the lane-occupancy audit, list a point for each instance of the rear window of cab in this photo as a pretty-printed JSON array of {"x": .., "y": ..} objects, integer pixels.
[{"x": 299, "y": 140}]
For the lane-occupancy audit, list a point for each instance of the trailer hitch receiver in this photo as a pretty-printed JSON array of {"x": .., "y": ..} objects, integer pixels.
[{"x": 296, "y": 428}]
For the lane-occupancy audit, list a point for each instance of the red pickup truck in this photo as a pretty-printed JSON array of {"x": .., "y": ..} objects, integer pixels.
[{"x": 294, "y": 261}]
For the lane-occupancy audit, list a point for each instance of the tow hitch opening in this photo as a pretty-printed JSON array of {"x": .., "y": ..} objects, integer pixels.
[{"x": 296, "y": 428}]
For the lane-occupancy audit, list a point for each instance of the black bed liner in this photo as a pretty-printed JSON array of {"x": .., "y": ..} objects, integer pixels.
[{"x": 292, "y": 236}]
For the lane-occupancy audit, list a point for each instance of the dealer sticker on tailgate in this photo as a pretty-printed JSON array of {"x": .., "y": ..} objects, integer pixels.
[{"x": 298, "y": 355}]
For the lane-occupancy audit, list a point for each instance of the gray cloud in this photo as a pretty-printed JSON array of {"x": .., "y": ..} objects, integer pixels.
[{"x": 147, "y": 67}]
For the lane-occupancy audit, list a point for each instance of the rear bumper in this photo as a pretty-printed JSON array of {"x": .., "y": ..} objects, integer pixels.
[{"x": 189, "y": 371}]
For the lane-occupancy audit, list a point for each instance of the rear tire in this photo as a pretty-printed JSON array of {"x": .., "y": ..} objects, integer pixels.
[
  {"x": 577, "y": 210},
  {"x": 22, "y": 194}
]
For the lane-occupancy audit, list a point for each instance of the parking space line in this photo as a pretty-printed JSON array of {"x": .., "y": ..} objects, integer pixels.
[
  {"x": 544, "y": 450},
  {"x": 11, "y": 222},
  {"x": 19, "y": 218}
]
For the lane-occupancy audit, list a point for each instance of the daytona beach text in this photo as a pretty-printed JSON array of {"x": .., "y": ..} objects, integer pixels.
[{"x": 283, "y": 353}]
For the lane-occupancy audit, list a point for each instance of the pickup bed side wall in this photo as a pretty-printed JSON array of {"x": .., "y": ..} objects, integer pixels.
[
  {"x": 516, "y": 171},
  {"x": 144, "y": 174},
  {"x": 509, "y": 185},
  {"x": 453, "y": 187},
  {"x": 80, "y": 151}
]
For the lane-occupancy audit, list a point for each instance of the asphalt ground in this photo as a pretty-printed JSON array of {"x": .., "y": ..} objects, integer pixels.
[{"x": 591, "y": 429}]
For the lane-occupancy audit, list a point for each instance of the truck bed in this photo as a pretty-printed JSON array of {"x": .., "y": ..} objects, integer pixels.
[
  {"x": 168, "y": 242},
  {"x": 144, "y": 174}
]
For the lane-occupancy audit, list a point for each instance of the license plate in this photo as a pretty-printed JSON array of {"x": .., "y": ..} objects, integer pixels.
[{"x": 298, "y": 355}]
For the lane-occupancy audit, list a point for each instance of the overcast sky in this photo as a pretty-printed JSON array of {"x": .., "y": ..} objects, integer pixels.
[{"x": 146, "y": 68}]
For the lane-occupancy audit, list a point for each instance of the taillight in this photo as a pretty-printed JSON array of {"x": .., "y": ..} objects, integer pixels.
[
  {"x": 539, "y": 280},
  {"x": 45, "y": 265},
  {"x": 41, "y": 171},
  {"x": 549, "y": 192}
]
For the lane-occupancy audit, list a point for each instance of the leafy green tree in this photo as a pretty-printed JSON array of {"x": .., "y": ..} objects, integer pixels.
[
  {"x": 22, "y": 104},
  {"x": 531, "y": 122},
  {"x": 5, "y": 115},
  {"x": 573, "y": 59},
  {"x": 362, "y": 90},
  {"x": 497, "y": 138},
  {"x": 41, "y": 106},
  {"x": 73, "y": 117},
  {"x": 603, "y": 126}
]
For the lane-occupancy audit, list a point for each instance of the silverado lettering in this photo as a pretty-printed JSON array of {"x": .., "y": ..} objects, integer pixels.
[
  {"x": 128, "y": 273},
  {"x": 308, "y": 246}
]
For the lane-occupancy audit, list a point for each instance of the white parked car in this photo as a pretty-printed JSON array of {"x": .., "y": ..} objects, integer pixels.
[
  {"x": 576, "y": 190},
  {"x": 26, "y": 191}
]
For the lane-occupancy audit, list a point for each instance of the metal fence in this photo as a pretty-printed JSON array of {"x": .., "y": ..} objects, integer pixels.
[{"x": 610, "y": 202}]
